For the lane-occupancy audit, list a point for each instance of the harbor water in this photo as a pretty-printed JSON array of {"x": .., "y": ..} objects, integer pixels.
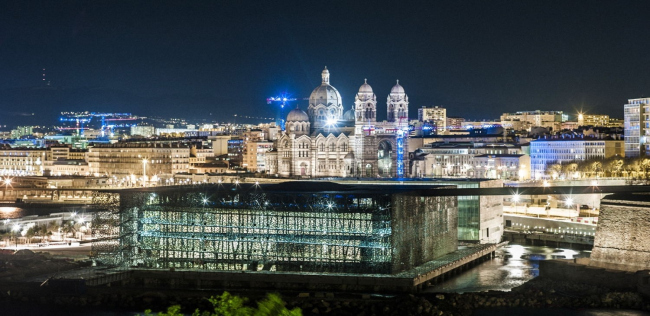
[{"x": 512, "y": 266}]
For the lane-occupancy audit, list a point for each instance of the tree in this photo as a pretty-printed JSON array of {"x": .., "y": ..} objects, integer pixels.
[
  {"x": 596, "y": 168},
  {"x": 68, "y": 228},
  {"x": 570, "y": 170},
  {"x": 30, "y": 233},
  {"x": 554, "y": 170},
  {"x": 615, "y": 167},
  {"x": 273, "y": 305},
  {"x": 644, "y": 167}
]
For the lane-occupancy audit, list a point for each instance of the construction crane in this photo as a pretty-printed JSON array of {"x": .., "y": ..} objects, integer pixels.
[
  {"x": 402, "y": 133},
  {"x": 281, "y": 113},
  {"x": 84, "y": 118}
]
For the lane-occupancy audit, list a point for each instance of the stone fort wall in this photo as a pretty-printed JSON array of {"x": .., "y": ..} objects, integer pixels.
[{"x": 623, "y": 234}]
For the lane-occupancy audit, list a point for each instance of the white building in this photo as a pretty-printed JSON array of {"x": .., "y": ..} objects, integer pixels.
[
  {"x": 492, "y": 161},
  {"x": 564, "y": 150},
  {"x": 501, "y": 166},
  {"x": 22, "y": 161},
  {"x": 64, "y": 167},
  {"x": 328, "y": 143},
  {"x": 528, "y": 119},
  {"x": 142, "y": 130},
  {"x": 636, "y": 122},
  {"x": 123, "y": 160}
]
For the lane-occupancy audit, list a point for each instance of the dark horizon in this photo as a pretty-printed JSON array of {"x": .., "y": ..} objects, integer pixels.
[{"x": 207, "y": 60}]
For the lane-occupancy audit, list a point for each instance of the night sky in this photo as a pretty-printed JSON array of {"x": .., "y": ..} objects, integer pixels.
[{"x": 214, "y": 59}]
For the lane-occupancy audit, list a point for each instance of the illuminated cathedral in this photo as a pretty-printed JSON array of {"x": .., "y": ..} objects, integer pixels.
[{"x": 325, "y": 141}]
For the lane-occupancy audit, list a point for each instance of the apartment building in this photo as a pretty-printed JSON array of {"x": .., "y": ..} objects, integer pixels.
[
  {"x": 564, "y": 150},
  {"x": 636, "y": 122},
  {"x": 125, "y": 159}
]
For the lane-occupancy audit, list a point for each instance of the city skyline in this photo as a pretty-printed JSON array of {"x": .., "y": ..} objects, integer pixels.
[{"x": 478, "y": 60}]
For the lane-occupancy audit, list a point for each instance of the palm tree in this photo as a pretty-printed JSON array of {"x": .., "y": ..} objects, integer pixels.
[
  {"x": 68, "y": 228},
  {"x": 31, "y": 232}
]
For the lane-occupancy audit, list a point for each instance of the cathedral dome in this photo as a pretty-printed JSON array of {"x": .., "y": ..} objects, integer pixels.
[
  {"x": 397, "y": 89},
  {"x": 325, "y": 94},
  {"x": 297, "y": 115},
  {"x": 348, "y": 115}
]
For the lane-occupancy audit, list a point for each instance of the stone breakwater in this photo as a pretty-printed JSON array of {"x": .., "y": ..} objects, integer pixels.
[{"x": 538, "y": 293}]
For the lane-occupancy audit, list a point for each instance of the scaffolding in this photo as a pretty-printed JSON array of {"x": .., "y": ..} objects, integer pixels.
[
  {"x": 245, "y": 227},
  {"x": 106, "y": 228}
]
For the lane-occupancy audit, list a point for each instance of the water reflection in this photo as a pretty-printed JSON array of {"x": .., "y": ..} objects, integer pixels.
[
  {"x": 10, "y": 212},
  {"x": 512, "y": 266}
]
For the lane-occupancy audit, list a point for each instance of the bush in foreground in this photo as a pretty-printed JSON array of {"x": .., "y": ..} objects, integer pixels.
[{"x": 233, "y": 305}]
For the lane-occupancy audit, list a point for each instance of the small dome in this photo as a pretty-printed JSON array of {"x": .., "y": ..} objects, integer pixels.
[
  {"x": 349, "y": 115},
  {"x": 365, "y": 87},
  {"x": 297, "y": 115},
  {"x": 365, "y": 91},
  {"x": 349, "y": 156},
  {"x": 397, "y": 89}
]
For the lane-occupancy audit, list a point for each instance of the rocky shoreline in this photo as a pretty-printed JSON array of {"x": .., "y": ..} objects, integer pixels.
[{"x": 538, "y": 293}]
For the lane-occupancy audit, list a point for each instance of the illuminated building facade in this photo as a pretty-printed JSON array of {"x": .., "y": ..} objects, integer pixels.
[
  {"x": 593, "y": 119},
  {"x": 22, "y": 161},
  {"x": 564, "y": 150},
  {"x": 437, "y": 116},
  {"x": 636, "y": 120},
  {"x": 547, "y": 119},
  {"x": 491, "y": 161},
  {"x": 329, "y": 143},
  {"x": 292, "y": 226},
  {"x": 127, "y": 160}
]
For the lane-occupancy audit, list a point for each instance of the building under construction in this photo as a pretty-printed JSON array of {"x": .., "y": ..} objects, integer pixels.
[{"x": 291, "y": 226}]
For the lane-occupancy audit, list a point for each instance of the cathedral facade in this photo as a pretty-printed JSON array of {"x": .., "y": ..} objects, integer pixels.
[{"x": 327, "y": 141}]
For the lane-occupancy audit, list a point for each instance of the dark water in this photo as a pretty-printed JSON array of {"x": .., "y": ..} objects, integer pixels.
[
  {"x": 557, "y": 312},
  {"x": 36, "y": 309},
  {"x": 512, "y": 267}
]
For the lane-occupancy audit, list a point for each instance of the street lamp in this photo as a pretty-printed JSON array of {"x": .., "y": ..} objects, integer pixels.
[
  {"x": 516, "y": 198},
  {"x": 569, "y": 202}
]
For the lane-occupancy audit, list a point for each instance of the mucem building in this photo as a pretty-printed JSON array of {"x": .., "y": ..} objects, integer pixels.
[{"x": 290, "y": 227}]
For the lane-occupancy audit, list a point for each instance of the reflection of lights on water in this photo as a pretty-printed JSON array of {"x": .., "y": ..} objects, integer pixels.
[
  {"x": 511, "y": 267},
  {"x": 516, "y": 251},
  {"x": 565, "y": 253},
  {"x": 7, "y": 209},
  {"x": 10, "y": 212}
]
